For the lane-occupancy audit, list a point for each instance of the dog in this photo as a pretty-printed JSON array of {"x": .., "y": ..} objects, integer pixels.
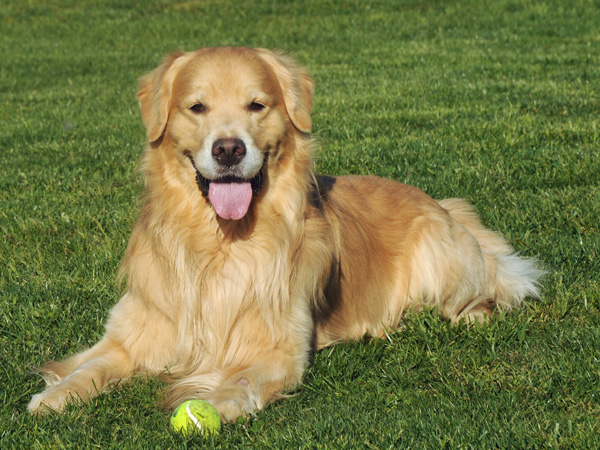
[{"x": 243, "y": 261}]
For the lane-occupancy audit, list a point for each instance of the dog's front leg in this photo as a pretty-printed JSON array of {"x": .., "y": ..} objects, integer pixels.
[
  {"x": 247, "y": 390},
  {"x": 82, "y": 376}
]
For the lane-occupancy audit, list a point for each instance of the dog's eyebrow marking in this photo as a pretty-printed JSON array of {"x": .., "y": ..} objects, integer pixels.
[
  {"x": 197, "y": 97},
  {"x": 259, "y": 96}
]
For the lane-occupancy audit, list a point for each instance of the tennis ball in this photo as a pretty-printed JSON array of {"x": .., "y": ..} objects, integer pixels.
[{"x": 196, "y": 415}]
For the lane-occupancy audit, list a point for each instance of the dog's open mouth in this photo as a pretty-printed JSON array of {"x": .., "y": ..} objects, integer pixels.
[{"x": 230, "y": 196}]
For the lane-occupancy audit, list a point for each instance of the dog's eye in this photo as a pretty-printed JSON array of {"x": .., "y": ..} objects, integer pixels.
[
  {"x": 198, "y": 108},
  {"x": 255, "y": 107}
]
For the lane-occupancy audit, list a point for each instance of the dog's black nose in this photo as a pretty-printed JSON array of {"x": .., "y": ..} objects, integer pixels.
[{"x": 228, "y": 152}]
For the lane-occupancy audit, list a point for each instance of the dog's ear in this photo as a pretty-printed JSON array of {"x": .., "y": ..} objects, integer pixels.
[
  {"x": 297, "y": 87},
  {"x": 154, "y": 94}
]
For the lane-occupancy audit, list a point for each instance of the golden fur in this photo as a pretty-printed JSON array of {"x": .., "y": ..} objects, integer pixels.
[{"x": 230, "y": 310}]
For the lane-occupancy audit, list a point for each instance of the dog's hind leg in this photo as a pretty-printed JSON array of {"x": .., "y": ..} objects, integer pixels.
[{"x": 497, "y": 277}]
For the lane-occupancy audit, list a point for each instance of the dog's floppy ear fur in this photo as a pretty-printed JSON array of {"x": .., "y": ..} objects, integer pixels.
[
  {"x": 296, "y": 85},
  {"x": 154, "y": 94}
]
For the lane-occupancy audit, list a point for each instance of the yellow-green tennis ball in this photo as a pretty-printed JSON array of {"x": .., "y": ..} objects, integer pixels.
[{"x": 196, "y": 416}]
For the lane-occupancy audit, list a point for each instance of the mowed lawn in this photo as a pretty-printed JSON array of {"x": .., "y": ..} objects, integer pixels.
[{"x": 494, "y": 101}]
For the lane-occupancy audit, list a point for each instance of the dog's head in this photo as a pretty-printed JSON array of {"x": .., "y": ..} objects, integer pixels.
[{"x": 226, "y": 111}]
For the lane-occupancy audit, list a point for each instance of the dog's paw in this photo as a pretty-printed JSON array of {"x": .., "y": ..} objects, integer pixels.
[
  {"x": 52, "y": 399},
  {"x": 234, "y": 400},
  {"x": 230, "y": 410}
]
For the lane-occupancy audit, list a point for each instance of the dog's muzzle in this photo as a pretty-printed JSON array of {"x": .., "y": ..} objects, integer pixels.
[{"x": 229, "y": 195}]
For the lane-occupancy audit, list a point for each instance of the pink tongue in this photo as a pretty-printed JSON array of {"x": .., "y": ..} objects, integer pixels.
[{"x": 230, "y": 200}]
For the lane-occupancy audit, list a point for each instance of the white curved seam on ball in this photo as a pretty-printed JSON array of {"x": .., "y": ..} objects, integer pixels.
[{"x": 192, "y": 417}]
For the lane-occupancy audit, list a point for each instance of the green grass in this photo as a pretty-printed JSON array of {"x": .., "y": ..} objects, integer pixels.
[{"x": 496, "y": 102}]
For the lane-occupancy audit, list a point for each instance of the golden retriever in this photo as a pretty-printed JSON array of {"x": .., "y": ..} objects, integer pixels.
[{"x": 243, "y": 261}]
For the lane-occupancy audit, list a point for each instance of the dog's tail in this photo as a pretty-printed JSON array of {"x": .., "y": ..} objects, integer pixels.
[{"x": 510, "y": 277}]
